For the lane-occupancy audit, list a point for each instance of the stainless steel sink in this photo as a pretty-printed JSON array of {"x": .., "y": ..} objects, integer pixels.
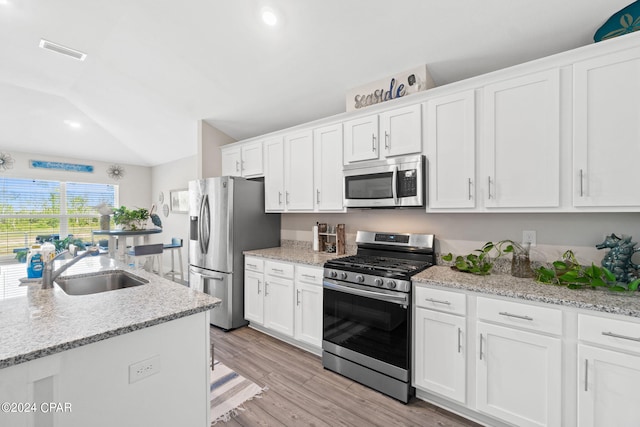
[{"x": 87, "y": 284}]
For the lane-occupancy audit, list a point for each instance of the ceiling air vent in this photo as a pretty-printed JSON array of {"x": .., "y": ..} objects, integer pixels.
[{"x": 76, "y": 54}]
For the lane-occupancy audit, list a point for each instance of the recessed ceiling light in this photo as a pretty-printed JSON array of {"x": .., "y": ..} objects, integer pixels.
[
  {"x": 269, "y": 16},
  {"x": 55, "y": 47},
  {"x": 72, "y": 124}
]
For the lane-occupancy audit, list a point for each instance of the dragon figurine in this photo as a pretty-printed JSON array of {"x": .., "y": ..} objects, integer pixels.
[{"x": 618, "y": 259}]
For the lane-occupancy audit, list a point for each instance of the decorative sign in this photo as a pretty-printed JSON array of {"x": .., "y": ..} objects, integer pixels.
[
  {"x": 69, "y": 167},
  {"x": 396, "y": 86}
]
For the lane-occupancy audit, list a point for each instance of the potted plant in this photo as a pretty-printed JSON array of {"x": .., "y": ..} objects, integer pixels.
[
  {"x": 480, "y": 261},
  {"x": 568, "y": 272},
  {"x": 131, "y": 219}
]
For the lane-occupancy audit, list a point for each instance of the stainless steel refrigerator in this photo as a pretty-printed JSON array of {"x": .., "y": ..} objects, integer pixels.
[{"x": 226, "y": 217}]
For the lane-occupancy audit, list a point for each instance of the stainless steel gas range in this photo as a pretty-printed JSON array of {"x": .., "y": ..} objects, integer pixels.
[{"x": 367, "y": 310}]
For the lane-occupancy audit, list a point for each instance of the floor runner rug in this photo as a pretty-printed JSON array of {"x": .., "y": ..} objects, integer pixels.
[{"x": 229, "y": 390}]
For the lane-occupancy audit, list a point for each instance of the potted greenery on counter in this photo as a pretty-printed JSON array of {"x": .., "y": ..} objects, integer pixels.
[
  {"x": 131, "y": 219},
  {"x": 480, "y": 261},
  {"x": 568, "y": 272}
]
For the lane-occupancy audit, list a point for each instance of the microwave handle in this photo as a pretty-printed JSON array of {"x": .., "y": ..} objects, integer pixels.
[{"x": 394, "y": 185}]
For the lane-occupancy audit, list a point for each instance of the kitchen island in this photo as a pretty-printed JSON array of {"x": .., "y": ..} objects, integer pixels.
[{"x": 136, "y": 355}]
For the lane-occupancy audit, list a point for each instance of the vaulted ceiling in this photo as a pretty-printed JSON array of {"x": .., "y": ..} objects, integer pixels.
[{"x": 156, "y": 67}]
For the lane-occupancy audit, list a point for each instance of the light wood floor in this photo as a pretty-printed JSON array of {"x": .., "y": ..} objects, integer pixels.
[{"x": 302, "y": 393}]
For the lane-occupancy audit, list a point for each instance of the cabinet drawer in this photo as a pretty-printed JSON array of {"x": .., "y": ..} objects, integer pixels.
[
  {"x": 610, "y": 332},
  {"x": 540, "y": 319},
  {"x": 278, "y": 269},
  {"x": 254, "y": 264},
  {"x": 309, "y": 275},
  {"x": 436, "y": 299}
]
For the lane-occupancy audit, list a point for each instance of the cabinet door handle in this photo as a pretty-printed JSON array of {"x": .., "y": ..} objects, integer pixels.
[
  {"x": 252, "y": 265},
  {"x": 242, "y": 165},
  {"x": 517, "y": 316},
  {"x": 258, "y": 287},
  {"x": 237, "y": 166},
  {"x": 298, "y": 297},
  {"x": 309, "y": 276},
  {"x": 318, "y": 195},
  {"x": 581, "y": 183},
  {"x": 469, "y": 188},
  {"x": 624, "y": 337},
  {"x": 480, "y": 346},
  {"x": 586, "y": 374},
  {"x": 286, "y": 197},
  {"x": 277, "y": 270},
  {"x": 279, "y": 197},
  {"x": 459, "y": 341},
  {"x": 437, "y": 301},
  {"x": 266, "y": 284},
  {"x": 387, "y": 146},
  {"x": 489, "y": 186},
  {"x": 373, "y": 142}
]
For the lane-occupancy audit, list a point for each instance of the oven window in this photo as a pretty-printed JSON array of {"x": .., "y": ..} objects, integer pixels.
[
  {"x": 371, "y": 327},
  {"x": 373, "y": 186}
]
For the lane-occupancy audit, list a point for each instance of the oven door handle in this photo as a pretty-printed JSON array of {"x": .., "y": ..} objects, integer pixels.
[{"x": 396, "y": 299}]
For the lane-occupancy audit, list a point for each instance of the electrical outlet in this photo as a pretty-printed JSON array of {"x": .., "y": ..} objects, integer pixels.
[
  {"x": 529, "y": 236},
  {"x": 144, "y": 369}
]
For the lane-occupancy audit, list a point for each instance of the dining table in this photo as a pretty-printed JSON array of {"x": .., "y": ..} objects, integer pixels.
[{"x": 118, "y": 239}]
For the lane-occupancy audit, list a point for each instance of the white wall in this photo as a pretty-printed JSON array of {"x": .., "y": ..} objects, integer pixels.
[
  {"x": 210, "y": 140},
  {"x": 165, "y": 178},
  {"x": 462, "y": 233},
  {"x": 134, "y": 186}
]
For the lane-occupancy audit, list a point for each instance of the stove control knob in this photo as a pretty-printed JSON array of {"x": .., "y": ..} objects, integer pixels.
[
  {"x": 333, "y": 274},
  {"x": 391, "y": 284},
  {"x": 360, "y": 278},
  {"x": 343, "y": 275},
  {"x": 378, "y": 282}
]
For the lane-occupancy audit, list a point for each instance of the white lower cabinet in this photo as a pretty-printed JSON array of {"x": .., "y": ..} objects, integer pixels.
[
  {"x": 519, "y": 366},
  {"x": 278, "y": 297},
  {"x": 440, "y": 353},
  {"x": 608, "y": 372},
  {"x": 440, "y": 348},
  {"x": 518, "y": 376},
  {"x": 254, "y": 290},
  {"x": 308, "y": 306},
  {"x": 284, "y": 299}
]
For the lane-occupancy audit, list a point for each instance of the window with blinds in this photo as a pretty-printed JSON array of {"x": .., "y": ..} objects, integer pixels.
[{"x": 32, "y": 210}]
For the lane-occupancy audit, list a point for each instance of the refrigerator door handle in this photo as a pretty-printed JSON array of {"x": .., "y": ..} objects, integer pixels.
[{"x": 205, "y": 224}]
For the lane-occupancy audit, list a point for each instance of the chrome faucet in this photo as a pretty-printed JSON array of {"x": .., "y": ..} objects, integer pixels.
[{"x": 49, "y": 275}]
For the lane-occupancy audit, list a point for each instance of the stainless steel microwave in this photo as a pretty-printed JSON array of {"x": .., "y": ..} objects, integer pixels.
[{"x": 395, "y": 182}]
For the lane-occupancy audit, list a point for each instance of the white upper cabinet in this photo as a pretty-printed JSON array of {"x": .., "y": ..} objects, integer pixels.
[
  {"x": 244, "y": 160},
  {"x": 401, "y": 131},
  {"x": 361, "y": 139},
  {"x": 451, "y": 151},
  {"x": 521, "y": 143},
  {"x": 251, "y": 162},
  {"x": 606, "y": 135},
  {"x": 298, "y": 171},
  {"x": 274, "y": 175},
  {"x": 327, "y": 155},
  {"x": 231, "y": 161}
]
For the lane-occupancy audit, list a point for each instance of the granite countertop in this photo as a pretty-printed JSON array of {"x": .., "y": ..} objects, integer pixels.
[
  {"x": 498, "y": 283},
  {"x": 627, "y": 304},
  {"x": 48, "y": 321},
  {"x": 299, "y": 255}
]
